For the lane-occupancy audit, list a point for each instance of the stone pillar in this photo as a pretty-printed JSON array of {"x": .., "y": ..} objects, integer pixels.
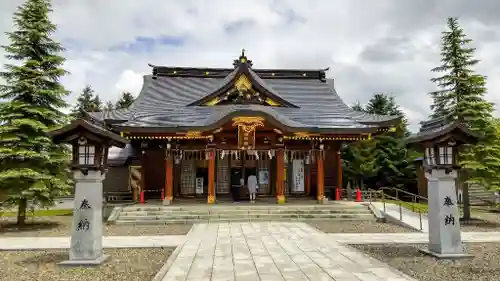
[
  {"x": 444, "y": 217},
  {"x": 280, "y": 176},
  {"x": 320, "y": 194},
  {"x": 86, "y": 236},
  {"x": 169, "y": 181},
  {"x": 211, "y": 177}
]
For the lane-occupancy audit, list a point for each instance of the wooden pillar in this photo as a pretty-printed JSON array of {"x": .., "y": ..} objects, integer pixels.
[
  {"x": 280, "y": 176},
  {"x": 321, "y": 177},
  {"x": 211, "y": 177},
  {"x": 143, "y": 177},
  {"x": 307, "y": 172},
  {"x": 169, "y": 180},
  {"x": 339, "y": 171}
]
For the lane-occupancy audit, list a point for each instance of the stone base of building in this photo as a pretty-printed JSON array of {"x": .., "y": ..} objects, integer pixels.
[
  {"x": 449, "y": 256},
  {"x": 102, "y": 259},
  {"x": 167, "y": 201},
  {"x": 323, "y": 200}
]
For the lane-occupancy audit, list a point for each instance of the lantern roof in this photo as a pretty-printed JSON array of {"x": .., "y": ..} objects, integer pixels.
[
  {"x": 440, "y": 130},
  {"x": 81, "y": 126}
]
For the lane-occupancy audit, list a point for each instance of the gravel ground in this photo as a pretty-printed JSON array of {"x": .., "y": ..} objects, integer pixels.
[
  {"x": 368, "y": 226},
  {"x": 124, "y": 265},
  {"x": 482, "y": 221},
  {"x": 61, "y": 226},
  {"x": 485, "y": 266}
]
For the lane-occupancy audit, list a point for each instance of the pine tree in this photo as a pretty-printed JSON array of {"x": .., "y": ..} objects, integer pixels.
[
  {"x": 32, "y": 167},
  {"x": 357, "y": 106},
  {"x": 97, "y": 104},
  {"x": 125, "y": 100},
  {"x": 461, "y": 97},
  {"x": 109, "y": 106},
  {"x": 394, "y": 162},
  {"x": 84, "y": 103}
]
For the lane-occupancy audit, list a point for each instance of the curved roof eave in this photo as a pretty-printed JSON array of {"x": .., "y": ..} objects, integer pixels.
[{"x": 276, "y": 120}]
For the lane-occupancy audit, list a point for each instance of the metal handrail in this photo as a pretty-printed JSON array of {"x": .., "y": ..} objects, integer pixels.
[
  {"x": 398, "y": 190},
  {"x": 398, "y": 202}
]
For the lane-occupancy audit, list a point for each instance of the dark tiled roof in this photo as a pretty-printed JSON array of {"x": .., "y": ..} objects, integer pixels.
[
  {"x": 436, "y": 128},
  {"x": 165, "y": 96},
  {"x": 60, "y": 134}
]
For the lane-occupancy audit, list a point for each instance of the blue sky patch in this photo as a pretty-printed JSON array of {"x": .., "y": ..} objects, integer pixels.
[{"x": 148, "y": 44}]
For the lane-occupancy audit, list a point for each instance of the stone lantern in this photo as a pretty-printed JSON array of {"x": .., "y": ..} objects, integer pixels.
[
  {"x": 90, "y": 144},
  {"x": 440, "y": 142}
]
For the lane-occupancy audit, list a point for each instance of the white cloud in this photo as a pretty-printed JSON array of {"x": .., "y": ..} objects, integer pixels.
[
  {"x": 129, "y": 81},
  {"x": 276, "y": 33}
]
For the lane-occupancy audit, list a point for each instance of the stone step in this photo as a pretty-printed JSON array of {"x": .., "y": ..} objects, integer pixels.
[
  {"x": 246, "y": 217},
  {"x": 181, "y": 221},
  {"x": 242, "y": 212},
  {"x": 234, "y": 208}
]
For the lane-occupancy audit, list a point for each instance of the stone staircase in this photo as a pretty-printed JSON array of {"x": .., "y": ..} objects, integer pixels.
[
  {"x": 479, "y": 196},
  {"x": 231, "y": 213}
]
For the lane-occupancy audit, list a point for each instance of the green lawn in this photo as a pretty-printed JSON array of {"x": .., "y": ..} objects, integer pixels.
[
  {"x": 40, "y": 213},
  {"x": 416, "y": 207}
]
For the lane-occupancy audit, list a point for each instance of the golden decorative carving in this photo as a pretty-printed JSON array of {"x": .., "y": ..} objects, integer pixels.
[
  {"x": 246, "y": 130},
  {"x": 211, "y": 199},
  {"x": 271, "y": 102},
  {"x": 193, "y": 134},
  {"x": 242, "y": 84}
]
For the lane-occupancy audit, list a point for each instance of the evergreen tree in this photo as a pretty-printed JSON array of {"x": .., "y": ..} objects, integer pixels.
[
  {"x": 96, "y": 104},
  {"x": 460, "y": 96},
  {"x": 125, "y": 100},
  {"x": 109, "y": 106},
  {"x": 393, "y": 161},
  {"x": 84, "y": 103},
  {"x": 384, "y": 159},
  {"x": 31, "y": 166},
  {"x": 357, "y": 107},
  {"x": 359, "y": 161}
]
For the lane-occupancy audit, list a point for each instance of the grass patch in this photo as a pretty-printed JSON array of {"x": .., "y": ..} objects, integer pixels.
[
  {"x": 412, "y": 206},
  {"x": 41, "y": 213}
]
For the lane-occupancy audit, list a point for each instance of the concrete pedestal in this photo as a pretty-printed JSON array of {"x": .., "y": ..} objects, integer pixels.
[
  {"x": 445, "y": 240},
  {"x": 167, "y": 201},
  {"x": 86, "y": 237}
]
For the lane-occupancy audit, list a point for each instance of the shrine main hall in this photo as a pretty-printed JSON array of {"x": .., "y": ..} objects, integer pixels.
[{"x": 196, "y": 132}]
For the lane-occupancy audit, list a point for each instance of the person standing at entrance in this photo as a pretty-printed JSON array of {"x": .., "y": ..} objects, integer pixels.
[{"x": 252, "y": 187}]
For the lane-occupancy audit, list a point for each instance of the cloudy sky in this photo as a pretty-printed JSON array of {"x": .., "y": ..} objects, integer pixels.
[{"x": 370, "y": 46}]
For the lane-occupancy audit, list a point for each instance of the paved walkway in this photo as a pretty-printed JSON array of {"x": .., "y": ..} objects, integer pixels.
[
  {"x": 407, "y": 238},
  {"x": 408, "y": 217},
  {"x": 39, "y": 243},
  {"x": 270, "y": 251}
]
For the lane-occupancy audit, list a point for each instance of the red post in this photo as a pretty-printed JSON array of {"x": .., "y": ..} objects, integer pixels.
[
  {"x": 337, "y": 193},
  {"x": 358, "y": 195},
  {"x": 142, "y": 197}
]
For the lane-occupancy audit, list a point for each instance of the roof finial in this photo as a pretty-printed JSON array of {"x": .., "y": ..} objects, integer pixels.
[{"x": 242, "y": 60}]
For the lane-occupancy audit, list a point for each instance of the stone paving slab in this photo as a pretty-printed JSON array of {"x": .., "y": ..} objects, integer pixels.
[
  {"x": 271, "y": 251},
  {"x": 407, "y": 238},
  {"x": 40, "y": 243}
]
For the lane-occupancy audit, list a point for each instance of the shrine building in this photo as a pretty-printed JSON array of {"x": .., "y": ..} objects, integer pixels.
[{"x": 194, "y": 132}]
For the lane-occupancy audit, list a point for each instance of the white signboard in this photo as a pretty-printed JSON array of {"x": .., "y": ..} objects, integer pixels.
[
  {"x": 199, "y": 185},
  {"x": 264, "y": 177},
  {"x": 298, "y": 176}
]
